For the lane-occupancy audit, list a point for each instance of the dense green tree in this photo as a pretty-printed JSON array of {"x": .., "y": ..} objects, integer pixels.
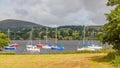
[
  {"x": 4, "y": 41},
  {"x": 112, "y": 28},
  {"x": 70, "y": 32},
  {"x": 100, "y": 36}
]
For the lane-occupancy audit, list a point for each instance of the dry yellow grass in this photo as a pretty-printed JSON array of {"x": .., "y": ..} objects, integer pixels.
[{"x": 51, "y": 61}]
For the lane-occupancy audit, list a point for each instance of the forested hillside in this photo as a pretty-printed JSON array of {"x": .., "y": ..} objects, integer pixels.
[{"x": 21, "y": 30}]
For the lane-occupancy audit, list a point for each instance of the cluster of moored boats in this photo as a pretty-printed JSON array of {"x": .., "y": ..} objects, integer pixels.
[
  {"x": 31, "y": 47},
  {"x": 35, "y": 48}
]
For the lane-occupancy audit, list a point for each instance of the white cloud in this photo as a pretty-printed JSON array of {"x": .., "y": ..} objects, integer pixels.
[{"x": 55, "y": 12}]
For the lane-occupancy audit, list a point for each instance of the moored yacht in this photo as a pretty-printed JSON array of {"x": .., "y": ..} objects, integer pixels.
[{"x": 30, "y": 46}]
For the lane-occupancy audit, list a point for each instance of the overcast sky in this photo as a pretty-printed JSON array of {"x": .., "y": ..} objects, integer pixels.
[{"x": 55, "y": 12}]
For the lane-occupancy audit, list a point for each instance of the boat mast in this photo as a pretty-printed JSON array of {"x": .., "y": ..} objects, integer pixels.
[
  {"x": 14, "y": 35},
  {"x": 8, "y": 33},
  {"x": 84, "y": 35},
  {"x": 46, "y": 34},
  {"x": 93, "y": 36},
  {"x": 56, "y": 36},
  {"x": 40, "y": 36},
  {"x": 31, "y": 36}
]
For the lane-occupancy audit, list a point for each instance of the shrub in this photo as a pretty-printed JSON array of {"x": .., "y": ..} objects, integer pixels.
[
  {"x": 116, "y": 61},
  {"x": 113, "y": 58}
]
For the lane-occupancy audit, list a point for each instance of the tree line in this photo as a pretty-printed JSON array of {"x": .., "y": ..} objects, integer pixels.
[{"x": 63, "y": 33}]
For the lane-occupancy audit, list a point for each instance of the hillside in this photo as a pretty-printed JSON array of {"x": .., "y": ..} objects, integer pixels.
[
  {"x": 22, "y": 28},
  {"x": 17, "y": 24},
  {"x": 79, "y": 27}
]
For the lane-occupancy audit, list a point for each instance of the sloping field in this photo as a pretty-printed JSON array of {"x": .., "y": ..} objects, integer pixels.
[{"x": 52, "y": 61}]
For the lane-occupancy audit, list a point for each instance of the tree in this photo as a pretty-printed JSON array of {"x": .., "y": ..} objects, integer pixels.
[
  {"x": 4, "y": 41},
  {"x": 112, "y": 28},
  {"x": 100, "y": 36}
]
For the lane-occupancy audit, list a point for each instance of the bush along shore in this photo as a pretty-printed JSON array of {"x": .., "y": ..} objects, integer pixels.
[{"x": 113, "y": 58}]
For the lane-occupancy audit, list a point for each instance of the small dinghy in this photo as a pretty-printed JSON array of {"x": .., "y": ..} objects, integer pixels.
[
  {"x": 10, "y": 47},
  {"x": 57, "y": 47},
  {"x": 15, "y": 44},
  {"x": 40, "y": 45}
]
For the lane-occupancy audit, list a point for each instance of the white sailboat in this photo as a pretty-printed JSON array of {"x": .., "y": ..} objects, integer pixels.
[
  {"x": 30, "y": 47},
  {"x": 47, "y": 45},
  {"x": 93, "y": 45},
  {"x": 85, "y": 45}
]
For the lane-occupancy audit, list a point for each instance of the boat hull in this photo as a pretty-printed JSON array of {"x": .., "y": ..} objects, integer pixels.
[
  {"x": 46, "y": 47},
  {"x": 10, "y": 48},
  {"x": 88, "y": 49},
  {"x": 32, "y": 48}
]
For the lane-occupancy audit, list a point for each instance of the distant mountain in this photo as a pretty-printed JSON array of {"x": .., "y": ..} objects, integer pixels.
[{"x": 17, "y": 24}]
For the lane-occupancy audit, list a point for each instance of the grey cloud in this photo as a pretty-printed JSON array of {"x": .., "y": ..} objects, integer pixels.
[
  {"x": 62, "y": 8},
  {"x": 21, "y": 12},
  {"x": 28, "y": 2},
  {"x": 97, "y": 9},
  {"x": 56, "y": 12}
]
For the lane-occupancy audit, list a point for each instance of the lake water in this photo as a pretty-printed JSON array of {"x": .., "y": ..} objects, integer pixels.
[{"x": 69, "y": 45}]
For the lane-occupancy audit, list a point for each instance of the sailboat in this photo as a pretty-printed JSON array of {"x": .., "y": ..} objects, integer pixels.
[
  {"x": 40, "y": 44},
  {"x": 10, "y": 47},
  {"x": 57, "y": 46},
  {"x": 30, "y": 47},
  {"x": 15, "y": 44},
  {"x": 47, "y": 45},
  {"x": 85, "y": 45},
  {"x": 93, "y": 45}
]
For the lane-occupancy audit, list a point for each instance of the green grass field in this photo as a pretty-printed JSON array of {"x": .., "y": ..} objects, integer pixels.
[{"x": 53, "y": 61}]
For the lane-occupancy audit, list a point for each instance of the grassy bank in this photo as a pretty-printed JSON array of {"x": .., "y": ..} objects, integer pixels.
[
  {"x": 62, "y": 52},
  {"x": 52, "y": 61},
  {"x": 81, "y": 52},
  {"x": 108, "y": 57},
  {"x": 7, "y": 53},
  {"x": 77, "y": 52}
]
